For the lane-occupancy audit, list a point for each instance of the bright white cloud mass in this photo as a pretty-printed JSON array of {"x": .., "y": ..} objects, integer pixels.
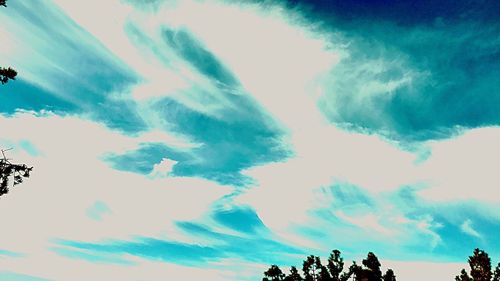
[{"x": 209, "y": 139}]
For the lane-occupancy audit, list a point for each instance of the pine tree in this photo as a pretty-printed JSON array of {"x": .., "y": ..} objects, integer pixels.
[
  {"x": 480, "y": 265},
  {"x": 274, "y": 273},
  {"x": 373, "y": 265},
  {"x": 323, "y": 274},
  {"x": 480, "y": 268},
  {"x": 294, "y": 275},
  {"x": 335, "y": 265}
]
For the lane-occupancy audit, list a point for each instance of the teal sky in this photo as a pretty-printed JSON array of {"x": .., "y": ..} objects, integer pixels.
[{"x": 210, "y": 139}]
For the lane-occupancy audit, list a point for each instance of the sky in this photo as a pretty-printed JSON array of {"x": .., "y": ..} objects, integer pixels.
[{"x": 195, "y": 139}]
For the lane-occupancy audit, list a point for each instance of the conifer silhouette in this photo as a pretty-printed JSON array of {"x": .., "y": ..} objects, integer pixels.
[
  {"x": 314, "y": 270},
  {"x": 480, "y": 268},
  {"x": 9, "y": 171}
]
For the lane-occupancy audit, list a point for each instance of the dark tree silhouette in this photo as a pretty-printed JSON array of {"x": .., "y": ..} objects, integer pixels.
[
  {"x": 335, "y": 265},
  {"x": 373, "y": 267},
  {"x": 314, "y": 270},
  {"x": 496, "y": 274},
  {"x": 311, "y": 272},
  {"x": 480, "y": 268},
  {"x": 6, "y": 74},
  {"x": 323, "y": 274},
  {"x": 274, "y": 273},
  {"x": 389, "y": 275},
  {"x": 11, "y": 171},
  {"x": 294, "y": 275},
  {"x": 3, "y": 3},
  {"x": 480, "y": 265}
]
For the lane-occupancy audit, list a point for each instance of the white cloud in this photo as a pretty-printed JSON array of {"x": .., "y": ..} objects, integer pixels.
[
  {"x": 467, "y": 228},
  {"x": 163, "y": 168},
  {"x": 68, "y": 178},
  {"x": 46, "y": 264},
  {"x": 419, "y": 270},
  {"x": 463, "y": 167}
]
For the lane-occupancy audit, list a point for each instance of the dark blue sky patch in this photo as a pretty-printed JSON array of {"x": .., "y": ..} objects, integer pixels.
[
  {"x": 453, "y": 45},
  {"x": 453, "y": 82},
  {"x": 402, "y": 12}
]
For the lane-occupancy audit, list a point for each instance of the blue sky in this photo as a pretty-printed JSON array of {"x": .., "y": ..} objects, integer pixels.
[{"x": 210, "y": 139}]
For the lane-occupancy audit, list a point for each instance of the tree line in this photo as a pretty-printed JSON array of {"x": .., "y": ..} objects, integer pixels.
[
  {"x": 314, "y": 270},
  {"x": 369, "y": 270}
]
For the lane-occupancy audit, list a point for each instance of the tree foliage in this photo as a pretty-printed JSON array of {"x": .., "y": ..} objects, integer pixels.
[
  {"x": 274, "y": 273},
  {"x": 7, "y": 74},
  {"x": 480, "y": 268},
  {"x": 10, "y": 171},
  {"x": 314, "y": 270},
  {"x": 3, "y": 3}
]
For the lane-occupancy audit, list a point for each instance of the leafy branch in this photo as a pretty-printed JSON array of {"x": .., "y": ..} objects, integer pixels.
[{"x": 9, "y": 171}]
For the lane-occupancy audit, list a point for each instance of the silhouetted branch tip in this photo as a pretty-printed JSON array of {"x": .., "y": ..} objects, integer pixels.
[
  {"x": 8, "y": 171},
  {"x": 7, "y": 74}
]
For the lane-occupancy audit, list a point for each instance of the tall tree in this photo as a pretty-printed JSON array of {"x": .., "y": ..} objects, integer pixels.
[
  {"x": 310, "y": 269},
  {"x": 323, "y": 274},
  {"x": 335, "y": 265},
  {"x": 373, "y": 265},
  {"x": 294, "y": 275},
  {"x": 480, "y": 268}
]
